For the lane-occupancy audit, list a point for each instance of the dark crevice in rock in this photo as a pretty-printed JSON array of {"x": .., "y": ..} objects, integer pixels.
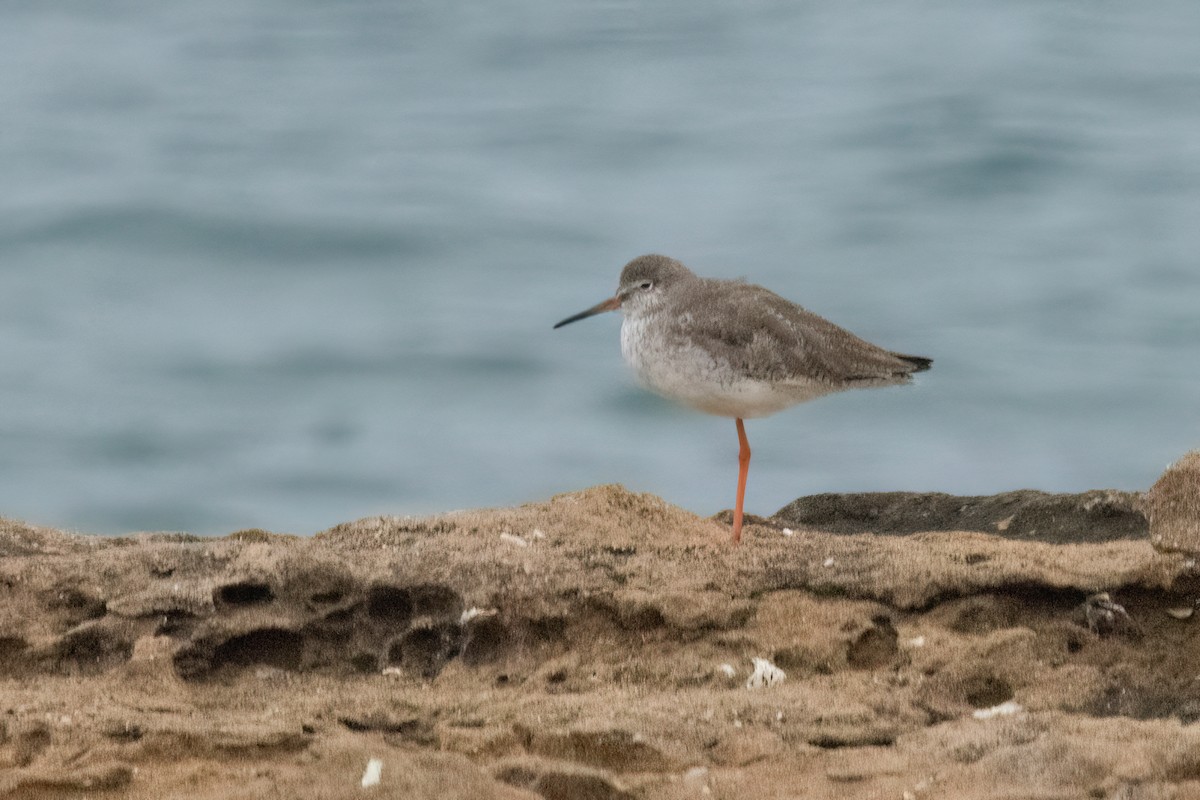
[
  {"x": 424, "y": 652},
  {"x": 875, "y": 647},
  {"x": 485, "y": 639},
  {"x": 389, "y": 605},
  {"x": 275, "y": 647},
  {"x": 243, "y": 593}
]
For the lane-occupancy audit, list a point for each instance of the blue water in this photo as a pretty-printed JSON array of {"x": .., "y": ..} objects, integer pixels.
[{"x": 285, "y": 264}]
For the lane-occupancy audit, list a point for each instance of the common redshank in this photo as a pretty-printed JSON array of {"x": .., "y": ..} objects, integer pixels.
[{"x": 734, "y": 349}]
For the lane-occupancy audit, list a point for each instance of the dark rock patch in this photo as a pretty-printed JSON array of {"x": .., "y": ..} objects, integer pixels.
[{"x": 1100, "y": 515}]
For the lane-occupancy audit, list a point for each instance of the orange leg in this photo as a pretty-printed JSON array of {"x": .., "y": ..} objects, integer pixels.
[{"x": 743, "y": 471}]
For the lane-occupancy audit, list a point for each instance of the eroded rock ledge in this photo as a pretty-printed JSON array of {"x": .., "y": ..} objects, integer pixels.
[{"x": 598, "y": 645}]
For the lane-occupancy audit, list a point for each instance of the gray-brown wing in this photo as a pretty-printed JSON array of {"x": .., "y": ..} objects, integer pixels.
[{"x": 767, "y": 337}]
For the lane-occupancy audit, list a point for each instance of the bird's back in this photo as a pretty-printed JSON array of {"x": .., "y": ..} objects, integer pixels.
[{"x": 763, "y": 336}]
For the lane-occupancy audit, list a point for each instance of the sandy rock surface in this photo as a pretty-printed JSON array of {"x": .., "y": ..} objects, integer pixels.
[
  {"x": 1172, "y": 507},
  {"x": 603, "y": 644}
]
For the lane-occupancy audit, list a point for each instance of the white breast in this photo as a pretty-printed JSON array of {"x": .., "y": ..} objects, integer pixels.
[{"x": 690, "y": 375}]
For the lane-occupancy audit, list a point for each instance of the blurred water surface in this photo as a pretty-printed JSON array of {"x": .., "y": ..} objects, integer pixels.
[{"x": 285, "y": 264}]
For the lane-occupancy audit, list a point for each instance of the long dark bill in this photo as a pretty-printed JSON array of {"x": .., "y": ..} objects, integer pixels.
[{"x": 611, "y": 304}]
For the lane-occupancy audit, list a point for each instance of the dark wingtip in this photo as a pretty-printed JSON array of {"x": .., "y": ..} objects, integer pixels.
[{"x": 920, "y": 363}]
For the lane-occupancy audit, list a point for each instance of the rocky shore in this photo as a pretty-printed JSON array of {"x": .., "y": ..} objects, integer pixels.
[{"x": 605, "y": 644}]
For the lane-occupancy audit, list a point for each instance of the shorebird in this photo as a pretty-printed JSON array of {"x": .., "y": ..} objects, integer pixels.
[{"x": 737, "y": 350}]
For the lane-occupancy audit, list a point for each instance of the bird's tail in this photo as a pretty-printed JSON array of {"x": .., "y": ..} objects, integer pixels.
[{"x": 919, "y": 363}]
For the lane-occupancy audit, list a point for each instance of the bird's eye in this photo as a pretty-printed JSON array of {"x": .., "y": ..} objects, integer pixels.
[{"x": 646, "y": 285}]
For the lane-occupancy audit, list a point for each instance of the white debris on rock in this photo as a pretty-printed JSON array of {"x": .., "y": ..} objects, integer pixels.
[
  {"x": 372, "y": 773},
  {"x": 473, "y": 612},
  {"x": 1005, "y": 709},
  {"x": 765, "y": 674}
]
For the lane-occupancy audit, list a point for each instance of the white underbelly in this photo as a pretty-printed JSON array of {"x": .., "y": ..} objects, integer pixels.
[{"x": 691, "y": 376}]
